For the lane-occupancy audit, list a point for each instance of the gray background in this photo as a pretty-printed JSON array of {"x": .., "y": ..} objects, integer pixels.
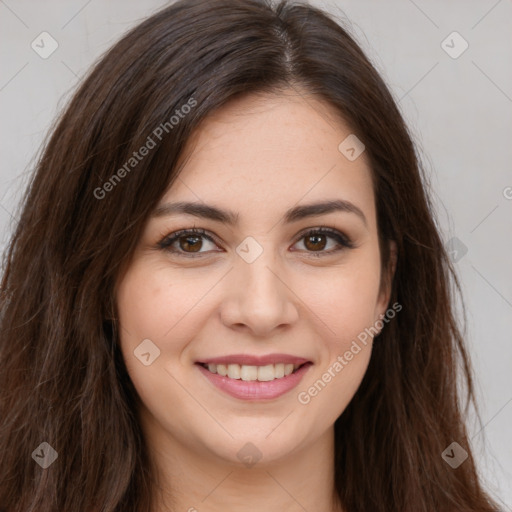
[{"x": 459, "y": 111}]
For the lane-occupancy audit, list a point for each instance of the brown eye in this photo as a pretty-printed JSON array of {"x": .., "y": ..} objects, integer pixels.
[
  {"x": 190, "y": 243},
  {"x": 315, "y": 242}
]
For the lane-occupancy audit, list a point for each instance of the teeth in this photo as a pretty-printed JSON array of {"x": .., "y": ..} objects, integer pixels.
[
  {"x": 261, "y": 373},
  {"x": 233, "y": 371},
  {"x": 266, "y": 373},
  {"x": 248, "y": 372}
]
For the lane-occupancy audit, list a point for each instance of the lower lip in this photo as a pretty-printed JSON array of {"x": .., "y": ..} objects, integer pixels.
[{"x": 254, "y": 389}]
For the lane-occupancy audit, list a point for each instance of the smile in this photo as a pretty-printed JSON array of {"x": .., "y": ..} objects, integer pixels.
[
  {"x": 254, "y": 378},
  {"x": 265, "y": 373}
]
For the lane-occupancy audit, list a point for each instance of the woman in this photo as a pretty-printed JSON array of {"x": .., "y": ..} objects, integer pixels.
[{"x": 227, "y": 290}]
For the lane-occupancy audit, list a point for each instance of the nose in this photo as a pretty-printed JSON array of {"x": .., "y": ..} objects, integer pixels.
[{"x": 258, "y": 299}]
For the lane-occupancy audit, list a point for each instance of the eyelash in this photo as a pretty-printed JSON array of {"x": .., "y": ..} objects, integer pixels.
[{"x": 166, "y": 242}]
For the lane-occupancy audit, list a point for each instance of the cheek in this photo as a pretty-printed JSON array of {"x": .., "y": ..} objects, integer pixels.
[
  {"x": 144, "y": 318},
  {"x": 151, "y": 304},
  {"x": 330, "y": 392},
  {"x": 345, "y": 301},
  {"x": 153, "y": 308},
  {"x": 345, "y": 297},
  {"x": 346, "y": 352},
  {"x": 164, "y": 307}
]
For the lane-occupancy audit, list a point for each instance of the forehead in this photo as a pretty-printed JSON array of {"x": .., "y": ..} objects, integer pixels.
[{"x": 265, "y": 153}]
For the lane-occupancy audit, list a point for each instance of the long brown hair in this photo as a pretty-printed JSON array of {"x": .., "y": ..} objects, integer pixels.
[{"x": 62, "y": 377}]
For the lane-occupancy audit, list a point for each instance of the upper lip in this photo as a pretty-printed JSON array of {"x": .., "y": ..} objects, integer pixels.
[{"x": 248, "y": 360}]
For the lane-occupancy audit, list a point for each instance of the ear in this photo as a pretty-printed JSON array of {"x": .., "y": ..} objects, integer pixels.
[{"x": 387, "y": 280}]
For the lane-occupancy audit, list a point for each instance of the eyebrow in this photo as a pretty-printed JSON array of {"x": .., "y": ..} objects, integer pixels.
[{"x": 230, "y": 218}]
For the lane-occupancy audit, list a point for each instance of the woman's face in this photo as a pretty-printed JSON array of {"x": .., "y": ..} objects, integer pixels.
[{"x": 258, "y": 296}]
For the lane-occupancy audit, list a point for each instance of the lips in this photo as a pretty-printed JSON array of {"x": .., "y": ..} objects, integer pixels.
[
  {"x": 248, "y": 360},
  {"x": 254, "y": 377},
  {"x": 251, "y": 372}
]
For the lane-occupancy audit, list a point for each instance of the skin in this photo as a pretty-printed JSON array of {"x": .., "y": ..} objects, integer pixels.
[{"x": 257, "y": 156}]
